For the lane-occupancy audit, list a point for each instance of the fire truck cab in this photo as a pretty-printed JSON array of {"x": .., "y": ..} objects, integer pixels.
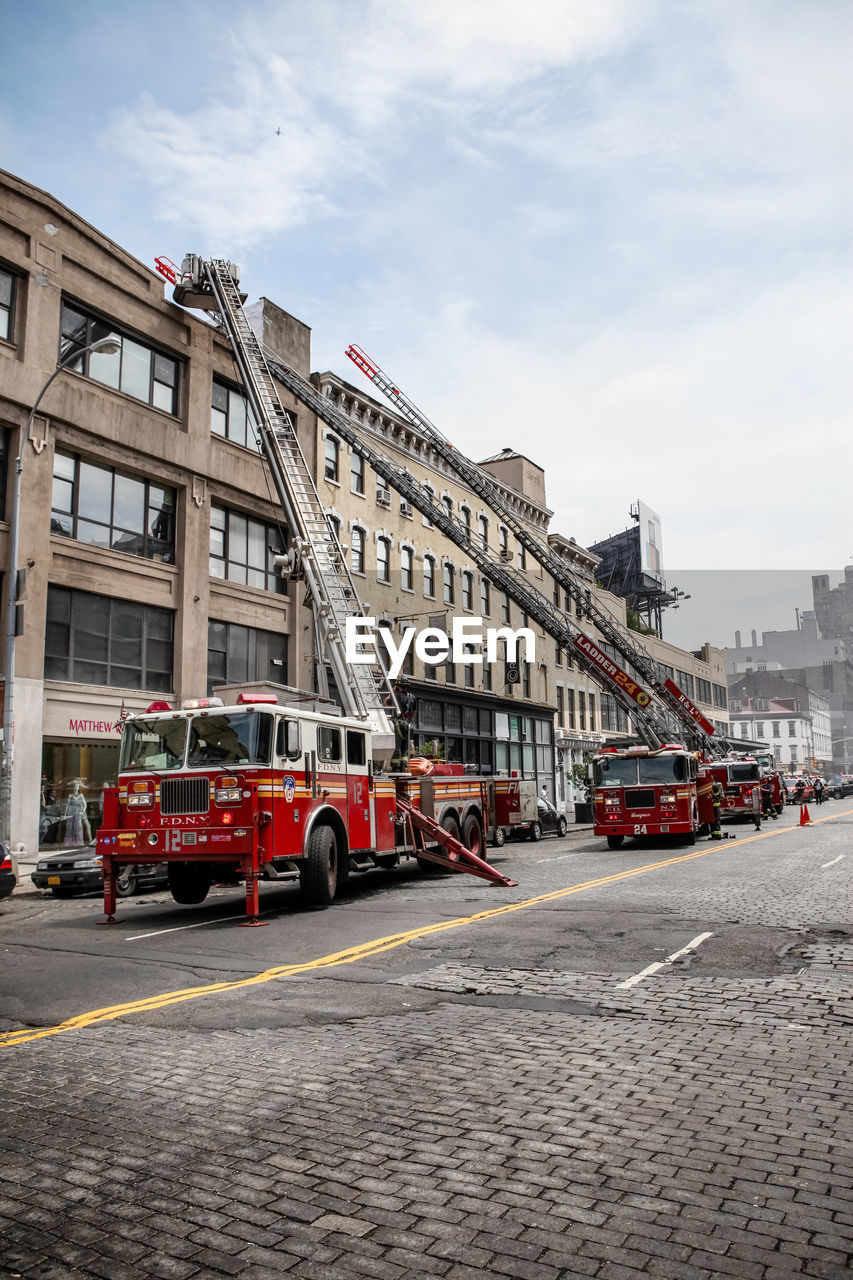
[
  {"x": 741, "y": 783},
  {"x": 642, "y": 792}
]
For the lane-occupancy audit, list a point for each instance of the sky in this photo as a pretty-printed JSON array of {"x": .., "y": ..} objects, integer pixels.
[{"x": 614, "y": 234}]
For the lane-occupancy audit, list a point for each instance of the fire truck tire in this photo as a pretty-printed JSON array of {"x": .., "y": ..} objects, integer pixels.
[
  {"x": 499, "y": 838},
  {"x": 188, "y": 884},
  {"x": 535, "y": 832},
  {"x": 472, "y": 835},
  {"x": 562, "y": 827},
  {"x": 318, "y": 878},
  {"x": 690, "y": 837},
  {"x": 615, "y": 842},
  {"x": 125, "y": 882}
]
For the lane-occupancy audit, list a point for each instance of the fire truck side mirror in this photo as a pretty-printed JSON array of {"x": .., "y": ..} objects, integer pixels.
[{"x": 288, "y": 739}]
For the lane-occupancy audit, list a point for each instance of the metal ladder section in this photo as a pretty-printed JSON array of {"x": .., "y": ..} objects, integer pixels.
[
  {"x": 448, "y": 852},
  {"x": 610, "y": 628},
  {"x": 539, "y": 607},
  {"x": 327, "y": 576}
]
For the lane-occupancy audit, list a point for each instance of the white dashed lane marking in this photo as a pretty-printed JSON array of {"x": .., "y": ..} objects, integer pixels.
[{"x": 661, "y": 964}]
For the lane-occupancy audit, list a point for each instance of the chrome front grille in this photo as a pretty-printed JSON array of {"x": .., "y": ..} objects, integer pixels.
[
  {"x": 184, "y": 795},
  {"x": 640, "y": 798}
]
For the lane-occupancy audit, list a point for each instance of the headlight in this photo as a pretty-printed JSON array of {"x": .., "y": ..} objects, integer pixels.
[
  {"x": 43, "y": 866},
  {"x": 614, "y": 800},
  {"x": 87, "y": 864},
  {"x": 142, "y": 801},
  {"x": 668, "y": 797},
  {"x": 227, "y": 795}
]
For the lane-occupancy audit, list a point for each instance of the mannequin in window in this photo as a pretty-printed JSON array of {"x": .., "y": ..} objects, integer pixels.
[{"x": 77, "y": 828}]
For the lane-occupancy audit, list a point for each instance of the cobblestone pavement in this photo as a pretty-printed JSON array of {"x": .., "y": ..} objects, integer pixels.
[{"x": 684, "y": 1129}]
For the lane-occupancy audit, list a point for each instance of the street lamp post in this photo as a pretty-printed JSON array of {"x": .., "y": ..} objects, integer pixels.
[{"x": 108, "y": 346}]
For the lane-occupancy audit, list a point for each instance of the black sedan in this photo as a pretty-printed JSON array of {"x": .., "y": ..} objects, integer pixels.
[
  {"x": 7, "y": 875},
  {"x": 548, "y": 821},
  {"x": 74, "y": 871}
]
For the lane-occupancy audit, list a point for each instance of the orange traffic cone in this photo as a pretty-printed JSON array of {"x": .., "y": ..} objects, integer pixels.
[{"x": 805, "y": 820}]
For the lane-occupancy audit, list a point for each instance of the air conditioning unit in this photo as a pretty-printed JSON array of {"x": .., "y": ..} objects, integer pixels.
[
  {"x": 506, "y": 555},
  {"x": 383, "y": 498},
  {"x": 405, "y": 508}
]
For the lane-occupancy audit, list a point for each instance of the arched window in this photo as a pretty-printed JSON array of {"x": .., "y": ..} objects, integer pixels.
[
  {"x": 465, "y": 517},
  {"x": 504, "y": 541},
  {"x": 447, "y": 503},
  {"x": 484, "y": 598},
  {"x": 483, "y": 529},
  {"x": 357, "y": 549},
  {"x": 383, "y": 559},
  {"x": 448, "y": 583},
  {"x": 333, "y": 450},
  {"x": 467, "y": 591},
  {"x": 406, "y": 558},
  {"x": 429, "y": 576}
]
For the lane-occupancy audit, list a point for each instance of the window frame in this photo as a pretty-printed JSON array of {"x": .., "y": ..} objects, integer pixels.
[
  {"x": 271, "y": 574},
  {"x": 113, "y": 526},
  {"x": 10, "y": 311},
  {"x": 82, "y": 363},
  {"x": 86, "y": 606}
]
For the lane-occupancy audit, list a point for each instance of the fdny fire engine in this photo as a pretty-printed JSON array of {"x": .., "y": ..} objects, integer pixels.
[
  {"x": 741, "y": 783},
  {"x": 642, "y": 792}
]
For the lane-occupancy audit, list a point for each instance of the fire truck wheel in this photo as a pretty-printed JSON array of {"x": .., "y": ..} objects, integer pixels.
[
  {"x": 318, "y": 878},
  {"x": 472, "y": 835},
  {"x": 125, "y": 882},
  {"x": 535, "y": 832},
  {"x": 432, "y": 868},
  {"x": 562, "y": 827},
  {"x": 188, "y": 884},
  {"x": 615, "y": 842},
  {"x": 690, "y": 838},
  {"x": 499, "y": 838}
]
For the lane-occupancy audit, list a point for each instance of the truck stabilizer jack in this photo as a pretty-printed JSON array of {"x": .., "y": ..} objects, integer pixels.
[{"x": 453, "y": 854}]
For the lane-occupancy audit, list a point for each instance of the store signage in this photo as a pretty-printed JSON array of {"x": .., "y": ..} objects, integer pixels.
[{"x": 84, "y": 728}]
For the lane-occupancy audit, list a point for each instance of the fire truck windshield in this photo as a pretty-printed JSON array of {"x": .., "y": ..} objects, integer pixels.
[
  {"x": 615, "y": 771},
  {"x": 239, "y": 737},
  {"x": 155, "y": 743},
  {"x": 663, "y": 769},
  {"x": 743, "y": 773}
]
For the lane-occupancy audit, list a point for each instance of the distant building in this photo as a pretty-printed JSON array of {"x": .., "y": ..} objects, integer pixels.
[{"x": 790, "y": 718}]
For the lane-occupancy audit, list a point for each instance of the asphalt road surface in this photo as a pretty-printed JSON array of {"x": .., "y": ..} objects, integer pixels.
[{"x": 636, "y": 1063}]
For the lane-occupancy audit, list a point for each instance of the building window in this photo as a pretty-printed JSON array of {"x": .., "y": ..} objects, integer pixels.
[
  {"x": 561, "y": 710},
  {"x": 239, "y": 655},
  {"x": 792, "y": 728},
  {"x": 592, "y": 713},
  {"x": 469, "y": 675},
  {"x": 505, "y": 608},
  {"x": 465, "y": 517},
  {"x": 136, "y": 369},
  {"x": 335, "y": 525},
  {"x": 570, "y": 709},
  {"x": 484, "y": 597},
  {"x": 793, "y": 753},
  {"x": 333, "y": 459},
  {"x": 759, "y": 729},
  {"x": 522, "y": 556},
  {"x": 430, "y": 492},
  {"x": 447, "y": 503},
  {"x": 734, "y": 705},
  {"x": 243, "y": 550},
  {"x": 467, "y": 591},
  {"x": 407, "y": 568},
  {"x": 429, "y": 576},
  {"x": 107, "y": 508},
  {"x": 449, "y": 576},
  {"x": 703, "y": 690},
  {"x": 487, "y": 676},
  {"x": 685, "y": 683},
  {"x": 744, "y": 729},
  {"x": 92, "y": 639},
  {"x": 7, "y": 304},
  {"x": 4, "y": 470},
  {"x": 776, "y": 733},
  {"x": 558, "y": 656},
  {"x": 383, "y": 559},
  {"x": 503, "y": 537},
  {"x": 582, "y": 710},
  {"x": 356, "y": 473},
  {"x": 357, "y": 549},
  {"x": 720, "y": 696},
  {"x": 483, "y": 529},
  {"x": 383, "y": 493},
  {"x": 231, "y": 416}
]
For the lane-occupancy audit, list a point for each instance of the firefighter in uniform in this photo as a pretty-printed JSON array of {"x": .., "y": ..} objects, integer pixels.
[
  {"x": 768, "y": 805},
  {"x": 717, "y": 801},
  {"x": 408, "y": 704}
]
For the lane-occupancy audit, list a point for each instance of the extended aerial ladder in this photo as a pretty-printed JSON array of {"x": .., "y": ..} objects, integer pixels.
[
  {"x": 634, "y": 700},
  {"x": 213, "y": 285},
  {"x": 680, "y": 709}
]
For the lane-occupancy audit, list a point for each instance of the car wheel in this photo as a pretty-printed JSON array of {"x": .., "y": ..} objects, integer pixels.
[
  {"x": 562, "y": 827},
  {"x": 535, "y": 832},
  {"x": 499, "y": 838},
  {"x": 62, "y": 893},
  {"x": 615, "y": 842},
  {"x": 125, "y": 882}
]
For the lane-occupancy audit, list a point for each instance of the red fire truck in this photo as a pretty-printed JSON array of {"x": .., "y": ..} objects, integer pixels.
[
  {"x": 643, "y": 792},
  {"x": 741, "y": 783},
  {"x": 260, "y": 789}
]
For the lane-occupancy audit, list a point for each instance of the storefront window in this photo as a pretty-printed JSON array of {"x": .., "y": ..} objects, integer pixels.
[{"x": 74, "y": 775}]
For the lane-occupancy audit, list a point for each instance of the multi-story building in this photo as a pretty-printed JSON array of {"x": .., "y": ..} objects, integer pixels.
[{"x": 793, "y": 721}]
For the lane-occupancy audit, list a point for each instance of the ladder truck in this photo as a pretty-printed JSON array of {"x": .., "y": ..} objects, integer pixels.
[{"x": 261, "y": 786}]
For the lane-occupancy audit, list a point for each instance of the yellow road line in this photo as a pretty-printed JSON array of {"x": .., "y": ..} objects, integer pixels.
[{"x": 373, "y": 948}]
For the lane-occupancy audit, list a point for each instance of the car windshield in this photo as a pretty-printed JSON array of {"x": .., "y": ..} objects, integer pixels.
[
  {"x": 153, "y": 743},
  {"x": 615, "y": 772},
  {"x": 241, "y": 737},
  {"x": 662, "y": 769},
  {"x": 743, "y": 773}
]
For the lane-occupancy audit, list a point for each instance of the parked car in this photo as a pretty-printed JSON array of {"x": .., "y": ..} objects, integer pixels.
[
  {"x": 841, "y": 786},
  {"x": 79, "y": 870},
  {"x": 7, "y": 875},
  {"x": 548, "y": 822}
]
